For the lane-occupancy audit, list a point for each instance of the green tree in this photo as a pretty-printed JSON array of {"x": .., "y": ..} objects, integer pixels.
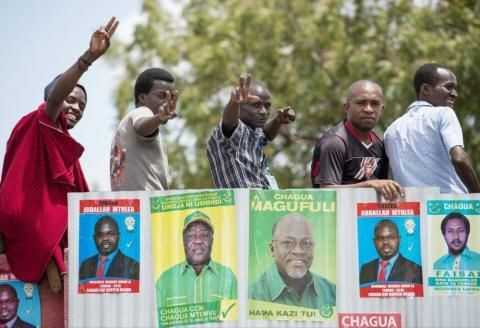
[{"x": 308, "y": 53}]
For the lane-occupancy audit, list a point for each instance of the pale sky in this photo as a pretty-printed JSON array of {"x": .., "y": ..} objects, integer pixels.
[{"x": 41, "y": 39}]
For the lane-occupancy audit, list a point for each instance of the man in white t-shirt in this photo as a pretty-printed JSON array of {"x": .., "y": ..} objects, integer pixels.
[
  {"x": 138, "y": 160},
  {"x": 425, "y": 145}
]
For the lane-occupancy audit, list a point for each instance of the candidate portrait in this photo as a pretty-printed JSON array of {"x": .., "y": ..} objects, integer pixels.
[
  {"x": 455, "y": 228},
  {"x": 9, "y": 303},
  {"x": 198, "y": 278},
  {"x": 289, "y": 279},
  {"x": 109, "y": 262},
  {"x": 390, "y": 265}
]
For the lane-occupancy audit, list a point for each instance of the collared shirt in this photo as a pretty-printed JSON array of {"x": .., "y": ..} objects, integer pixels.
[
  {"x": 180, "y": 285},
  {"x": 108, "y": 261},
  {"x": 239, "y": 161},
  {"x": 469, "y": 260},
  {"x": 418, "y": 146},
  {"x": 391, "y": 263},
  {"x": 10, "y": 323},
  {"x": 318, "y": 293}
]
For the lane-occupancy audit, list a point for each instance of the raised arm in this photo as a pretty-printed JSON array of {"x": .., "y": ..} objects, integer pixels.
[
  {"x": 99, "y": 43},
  {"x": 148, "y": 126},
  {"x": 464, "y": 168},
  {"x": 239, "y": 95},
  {"x": 282, "y": 116}
]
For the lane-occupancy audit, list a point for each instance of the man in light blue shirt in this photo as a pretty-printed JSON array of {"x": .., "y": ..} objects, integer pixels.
[
  {"x": 456, "y": 229},
  {"x": 425, "y": 145}
]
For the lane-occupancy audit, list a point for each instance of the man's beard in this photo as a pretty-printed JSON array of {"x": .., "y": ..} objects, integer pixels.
[{"x": 457, "y": 251}]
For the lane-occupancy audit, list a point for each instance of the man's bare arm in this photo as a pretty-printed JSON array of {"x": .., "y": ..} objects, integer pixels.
[
  {"x": 239, "y": 95},
  {"x": 99, "y": 43},
  {"x": 389, "y": 189},
  {"x": 464, "y": 168},
  {"x": 282, "y": 116},
  {"x": 147, "y": 126}
]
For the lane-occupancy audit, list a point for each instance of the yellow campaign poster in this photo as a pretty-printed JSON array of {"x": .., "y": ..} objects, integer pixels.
[{"x": 194, "y": 240}]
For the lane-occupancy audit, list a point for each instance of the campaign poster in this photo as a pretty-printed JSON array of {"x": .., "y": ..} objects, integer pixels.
[
  {"x": 194, "y": 240},
  {"x": 389, "y": 250},
  {"x": 21, "y": 300},
  {"x": 292, "y": 255},
  {"x": 109, "y": 246},
  {"x": 454, "y": 246}
]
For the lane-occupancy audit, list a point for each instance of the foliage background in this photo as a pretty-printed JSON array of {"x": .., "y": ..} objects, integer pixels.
[{"x": 307, "y": 52}]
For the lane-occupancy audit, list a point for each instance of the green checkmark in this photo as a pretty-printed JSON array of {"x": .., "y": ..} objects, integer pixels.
[{"x": 225, "y": 313}]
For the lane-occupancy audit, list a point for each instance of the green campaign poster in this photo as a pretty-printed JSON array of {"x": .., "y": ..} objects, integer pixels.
[
  {"x": 454, "y": 249},
  {"x": 292, "y": 255}
]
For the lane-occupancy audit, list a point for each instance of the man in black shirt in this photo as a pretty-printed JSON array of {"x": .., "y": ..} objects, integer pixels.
[{"x": 351, "y": 154}]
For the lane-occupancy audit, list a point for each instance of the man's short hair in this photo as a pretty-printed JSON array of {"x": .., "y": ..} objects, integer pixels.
[
  {"x": 48, "y": 89},
  {"x": 105, "y": 219},
  {"x": 455, "y": 215},
  {"x": 427, "y": 73},
  {"x": 10, "y": 288},
  {"x": 386, "y": 223},
  {"x": 363, "y": 83},
  {"x": 144, "y": 82}
]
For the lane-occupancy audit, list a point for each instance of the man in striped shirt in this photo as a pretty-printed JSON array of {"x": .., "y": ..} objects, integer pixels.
[{"x": 235, "y": 149}]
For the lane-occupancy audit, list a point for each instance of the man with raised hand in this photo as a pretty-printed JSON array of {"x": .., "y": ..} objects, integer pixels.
[
  {"x": 351, "y": 154},
  {"x": 235, "y": 149},
  {"x": 138, "y": 160},
  {"x": 41, "y": 166}
]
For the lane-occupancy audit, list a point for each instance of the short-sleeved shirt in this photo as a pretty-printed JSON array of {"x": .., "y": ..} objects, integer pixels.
[
  {"x": 418, "y": 146},
  {"x": 239, "y": 161},
  {"x": 341, "y": 158},
  {"x": 180, "y": 285},
  {"x": 467, "y": 260},
  {"x": 137, "y": 162},
  {"x": 270, "y": 287}
]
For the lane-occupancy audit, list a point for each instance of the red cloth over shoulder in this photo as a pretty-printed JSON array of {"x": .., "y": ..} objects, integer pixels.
[{"x": 41, "y": 166}]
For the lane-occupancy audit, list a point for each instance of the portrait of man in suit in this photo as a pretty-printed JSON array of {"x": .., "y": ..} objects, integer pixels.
[
  {"x": 110, "y": 262},
  {"x": 390, "y": 266},
  {"x": 8, "y": 308}
]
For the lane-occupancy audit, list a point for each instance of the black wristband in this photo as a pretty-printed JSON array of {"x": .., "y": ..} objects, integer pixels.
[
  {"x": 82, "y": 64},
  {"x": 84, "y": 61}
]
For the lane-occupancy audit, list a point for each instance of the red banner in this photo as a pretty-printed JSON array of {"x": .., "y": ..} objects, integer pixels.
[
  {"x": 110, "y": 286},
  {"x": 110, "y": 206},
  {"x": 388, "y": 209},
  {"x": 369, "y": 320},
  {"x": 392, "y": 290}
]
